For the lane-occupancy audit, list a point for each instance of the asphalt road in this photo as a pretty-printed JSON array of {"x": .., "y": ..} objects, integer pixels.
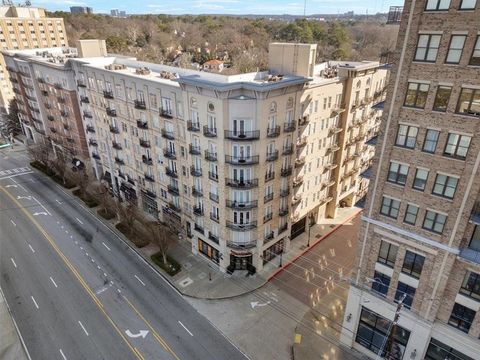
[{"x": 77, "y": 291}]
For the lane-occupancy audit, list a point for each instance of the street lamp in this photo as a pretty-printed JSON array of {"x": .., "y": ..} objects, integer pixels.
[
  {"x": 311, "y": 221},
  {"x": 280, "y": 264}
]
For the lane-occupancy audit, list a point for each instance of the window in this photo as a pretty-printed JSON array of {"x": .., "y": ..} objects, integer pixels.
[
  {"x": 406, "y": 136},
  {"x": 434, "y": 221},
  {"x": 441, "y": 98},
  {"x": 387, "y": 254},
  {"x": 455, "y": 49},
  {"x": 469, "y": 102},
  {"x": 411, "y": 214},
  {"x": 471, "y": 285},
  {"x": 397, "y": 173},
  {"x": 457, "y": 146},
  {"x": 445, "y": 186},
  {"x": 437, "y": 5},
  {"x": 440, "y": 351},
  {"x": 431, "y": 139},
  {"x": 413, "y": 264},
  {"x": 475, "y": 59},
  {"x": 461, "y": 317},
  {"x": 420, "y": 180},
  {"x": 390, "y": 207},
  {"x": 467, "y": 4},
  {"x": 380, "y": 283},
  {"x": 373, "y": 331},
  {"x": 416, "y": 95},
  {"x": 407, "y": 291},
  {"x": 427, "y": 47}
]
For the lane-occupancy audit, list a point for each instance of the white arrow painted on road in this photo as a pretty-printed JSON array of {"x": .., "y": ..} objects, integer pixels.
[
  {"x": 142, "y": 333},
  {"x": 254, "y": 304},
  {"x": 40, "y": 213},
  {"x": 8, "y": 186},
  {"x": 24, "y": 197}
]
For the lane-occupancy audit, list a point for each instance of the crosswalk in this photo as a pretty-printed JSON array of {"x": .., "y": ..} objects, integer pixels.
[{"x": 14, "y": 172}]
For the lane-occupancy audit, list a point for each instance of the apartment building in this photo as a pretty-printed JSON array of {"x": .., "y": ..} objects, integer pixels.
[
  {"x": 419, "y": 244},
  {"x": 25, "y": 27},
  {"x": 46, "y": 92},
  {"x": 241, "y": 164}
]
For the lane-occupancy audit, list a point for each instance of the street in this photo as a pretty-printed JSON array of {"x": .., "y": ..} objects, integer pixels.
[{"x": 77, "y": 291}]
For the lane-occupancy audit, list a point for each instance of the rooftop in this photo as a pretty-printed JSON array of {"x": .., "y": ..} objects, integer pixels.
[{"x": 56, "y": 56}]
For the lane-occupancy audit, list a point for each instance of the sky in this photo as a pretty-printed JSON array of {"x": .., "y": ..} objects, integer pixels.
[{"x": 273, "y": 7}]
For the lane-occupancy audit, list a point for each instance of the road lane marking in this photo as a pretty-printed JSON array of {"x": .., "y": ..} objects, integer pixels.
[
  {"x": 58, "y": 201},
  {"x": 36, "y": 305},
  {"x": 13, "y": 261},
  {"x": 40, "y": 213},
  {"x": 63, "y": 355},
  {"x": 53, "y": 281},
  {"x": 79, "y": 220},
  {"x": 185, "y": 328},
  {"x": 106, "y": 246},
  {"x": 13, "y": 222},
  {"x": 39, "y": 203},
  {"x": 141, "y": 282},
  {"x": 141, "y": 333},
  {"x": 83, "y": 328},
  {"x": 31, "y": 248},
  {"x": 11, "y": 176}
]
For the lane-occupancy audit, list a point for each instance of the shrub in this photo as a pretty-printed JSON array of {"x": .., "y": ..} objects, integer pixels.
[
  {"x": 90, "y": 202},
  {"x": 172, "y": 268},
  {"x": 106, "y": 214},
  {"x": 132, "y": 234}
]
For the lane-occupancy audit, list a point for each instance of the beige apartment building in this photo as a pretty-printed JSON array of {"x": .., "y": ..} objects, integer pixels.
[
  {"x": 420, "y": 240},
  {"x": 25, "y": 27}
]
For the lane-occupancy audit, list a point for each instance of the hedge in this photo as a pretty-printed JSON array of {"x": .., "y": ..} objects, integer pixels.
[
  {"x": 172, "y": 268},
  {"x": 49, "y": 172},
  {"x": 90, "y": 202},
  {"x": 106, "y": 214},
  {"x": 135, "y": 236}
]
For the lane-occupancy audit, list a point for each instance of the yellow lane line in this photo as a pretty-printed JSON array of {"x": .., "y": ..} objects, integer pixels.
[
  {"x": 154, "y": 332},
  {"x": 137, "y": 354}
]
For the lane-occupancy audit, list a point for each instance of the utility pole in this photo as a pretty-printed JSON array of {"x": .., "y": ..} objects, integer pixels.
[{"x": 392, "y": 351}]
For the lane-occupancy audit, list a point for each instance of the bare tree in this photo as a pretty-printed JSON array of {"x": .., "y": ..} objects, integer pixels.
[
  {"x": 104, "y": 197},
  {"x": 128, "y": 213},
  {"x": 61, "y": 168},
  {"x": 40, "y": 152},
  {"x": 163, "y": 237}
]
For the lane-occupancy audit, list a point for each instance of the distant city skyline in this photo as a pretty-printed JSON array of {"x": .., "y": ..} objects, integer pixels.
[{"x": 236, "y": 7}]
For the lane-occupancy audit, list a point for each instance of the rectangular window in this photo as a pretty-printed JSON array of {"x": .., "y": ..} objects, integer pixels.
[
  {"x": 413, "y": 264},
  {"x": 442, "y": 97},
  {"x": 471, "y": 285},
  {"x": 427, "y": 47},
  {"x": 455, "y": 49},
  {"x": 411, "y": 214},
  {"x": 431, "y": 140},
  {"x": 433, "y": 5},
  {"x": 416, "y": 95},
  {"x": 469, "y": 102},
  {"x": 420, "y": 180},
  {"x": 387, "y": 254},
  {"x": 445, "y": 186},
  {"x": 440, "y": 351},
  {"x": 390, "y": 207},
  {"x": 467, "y": 4},
  {"x": 380, "y": 283},
  {"x": 397, "y": 173},
  {"x": 457, "y": 146},
  {"x": 475, "y": 59},
  {"x": 406, "y": 136},
  {"x": 461, "y": 317},
  {"x": 405, "y": 292},
  {"x": 434, "y": 221}
]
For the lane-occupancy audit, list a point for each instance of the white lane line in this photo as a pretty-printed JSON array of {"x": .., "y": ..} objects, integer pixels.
[
  {"x": 106, "y": 246},
  {"x": 63, "y": 355},
  {"x": 58, "y": 201},
  {"x": 36, "y": 305},
  {"x": 13, "y": 261},
  {"x": 20, "y": 185},
  {"x": 83, "y": 327},
  {"x": 185, "y": 328},
  {"x": 39, "y": 203},
  {"x": 79, "y": 220},
  {"x": 13, "y": 222},
  {"x": 31, "y": 248},
  {"x": 53, "y": 281},
  {"x": 141, "y": 282},
  {"x": 11, "y": 176}
]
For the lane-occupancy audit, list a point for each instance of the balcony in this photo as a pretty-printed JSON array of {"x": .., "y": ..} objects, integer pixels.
[
  {"x": 44, "y": 93},
  {"x": 213, "y": 176},
  {"x": 171, "y": 173},
  {"x": 51, "y": 118},
  {"x": 296, "y": 200},
  {"x": 299, "y": 162},
  {"x": 212, "y": 237},
  {"x": 242, "y": 246},
  {"x": 87, "y": 114},
  {"x": 268, "y": 197},
  {"x": 130, "y": 180},
  {"x": 64, "y": 113},
  {"x": 269, "y": 176},
  {"x": 273, "y": 132},
  {"x": 298, "y": 181},
  {"x": 334, "y": 130},
  {"x": 147, "y": 160},
  {"x": 301, "y": 142},
  {"x": 116, "y": 145},
  {"x": 81, "y": 83},
  {"x": 193, "y": 126},
  {"x": 108, "y": 94},
  {"x": 197, "y": 192},
  {"x": 269, "y": 237},
  {"x": 119, "y": 161},
  {"x": 174, "y": 207},
  {"x": 168, "y": 134},
  {"x": 233, "y": 204},
  {"x": 272, "y": 156},
  {"x": 235, "y": 160},
  {"x": 96, "y": 156},
  {"x": 289, "y": 127},
  {"x": 213, "y": 197},
  {"x": 332, "y": 148},
  {"x": 242, "y": 135},
  {"x": 145, "y": 143},
  {"x": 169, "y": 154},
  {"x": 241, "y": 227},
  {"x": 198, "y": 210},
  {"x": 194, "y": 171},
  {"x": 173, "y": 190},
  {"x": 58, "y": 86},
  {"x": 304, "y": 120},
  {"x": 284, "y": 192},
  {"x": 267, "y": 217},
  {"x": 330, "y": 166},
  {"x": 111, "y": 112},
  {"x": 149, "y": 177},
  {"x": 286, "y": 171},
  {"x": 470, "y": 254},
  {"x": 210, "y": 156},
  {"x": 194, "y": 150},
  {"x": 166, "y": 113},
  {"x": 114, "y": 129},
  {"x": 53, "y": 130},
  {"x": 84, "y": 99},
  {"x": 92, "y": 142},
  {"x": 241, "y": 184},
  {"x": 287, "y": 149},
  {"x": 283, "y": 211},
  {"x": 209, "y": 131},
  {"x": 282, "y": 228},
  {"x": 337, "y": 110},
  {"x": 142, "y": 124},
  {"x": 61, "y": 99},
  {"x": 140, "y": 104},
  {"x": 475, "y": 214}
]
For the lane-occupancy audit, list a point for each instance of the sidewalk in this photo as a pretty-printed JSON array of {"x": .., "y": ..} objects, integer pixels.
[{"x": 11, "y": 347}]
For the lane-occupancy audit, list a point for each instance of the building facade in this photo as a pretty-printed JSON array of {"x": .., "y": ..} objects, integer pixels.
[
  {"x": 419, "y": 244},
  {"x": 81, "y": 10}
]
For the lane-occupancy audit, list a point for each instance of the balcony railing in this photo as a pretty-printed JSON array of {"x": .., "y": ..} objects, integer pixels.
[
  {"x": 301, "y": 142},
  {"x": 283, "y": 211},
  {"x": 242, "y": 135},
  {"x": 144, "y": 143},
  {"x": 269, "y": 176},
  {"x": 267, "y": 217},
  {"x": 289, "y": 126},
  {"x": 108, "y": 94},
  {"x": 87, "y": 114},
  {"x": 111, "y": 112},
  {"x": 114, "y": 129},
  {"x": 296, "y": 200},
  {"x": 81, "y": 83},
  {"x": 240, "y": 246},
  {"x": 213, "y": 176},
  {"x": 140, "y": 104},
  {"x": 213, "y": 197},
  {"x": 287, "y": 149},
  {"x": 194, "y": 171},
  {"x": 84, "y": 99},
  {"x": 241, "y": 227},
  {"x": 116, "y": 145},
  {"x": 273, "y": 132},
  {"x": 119, "y": 161},
  {"x": 298, "y": 181},
  {"x": 149, "y": 177},
  {"x": 51, "y": 118},
  {"x": 147, "y": 160},
  {"x": 284, "y": 192},
  {"x": 193, "y": 126},
  {"x": 169, "y": 154},
  {"x": 92, "y": 142},
  {"x": 171, "y": 173},
  {"x": 174, "y": 207},
  {"x": 96, "y": 156},
  {"x": 234, "y": 204},
  {"x": 197, "y": 192},
  {"x": 195, "y": 150},
  {"x": 286, "y": 171},
  {"x": 269, "y": 237},
  {"x": 304, "y": 120},
  {"x": 198, "y": 210},
  {"x": 166, "y": 113},
  {"x": 212, "y": 237},
  {"x": 173, "y": 190},
  {"x": 236, "y": 160},
  {"x": 272, "y": 156},
  {"x": 142, "y": 124},
  {"x": 210, "y": 156},
  {"x": 282, "y": 228},
  {"x": 300, "y": 161},
  {"x": 209, "y": 131},
  {"x": 268, "y": 197},
  {"x": 243, "y": 184}
]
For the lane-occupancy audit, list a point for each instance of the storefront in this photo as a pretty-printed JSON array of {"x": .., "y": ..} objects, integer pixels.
[
  {"x": 298, "y": 228},
  {"x": 149, "y": 205},
  {"x": 273, "y": 251},
  {"x": 208, "y": 251},
  {"x": 241, "y": 261}
]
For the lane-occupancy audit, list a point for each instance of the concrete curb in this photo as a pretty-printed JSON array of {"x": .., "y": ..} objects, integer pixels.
[{"x": 279, "y": 270}]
